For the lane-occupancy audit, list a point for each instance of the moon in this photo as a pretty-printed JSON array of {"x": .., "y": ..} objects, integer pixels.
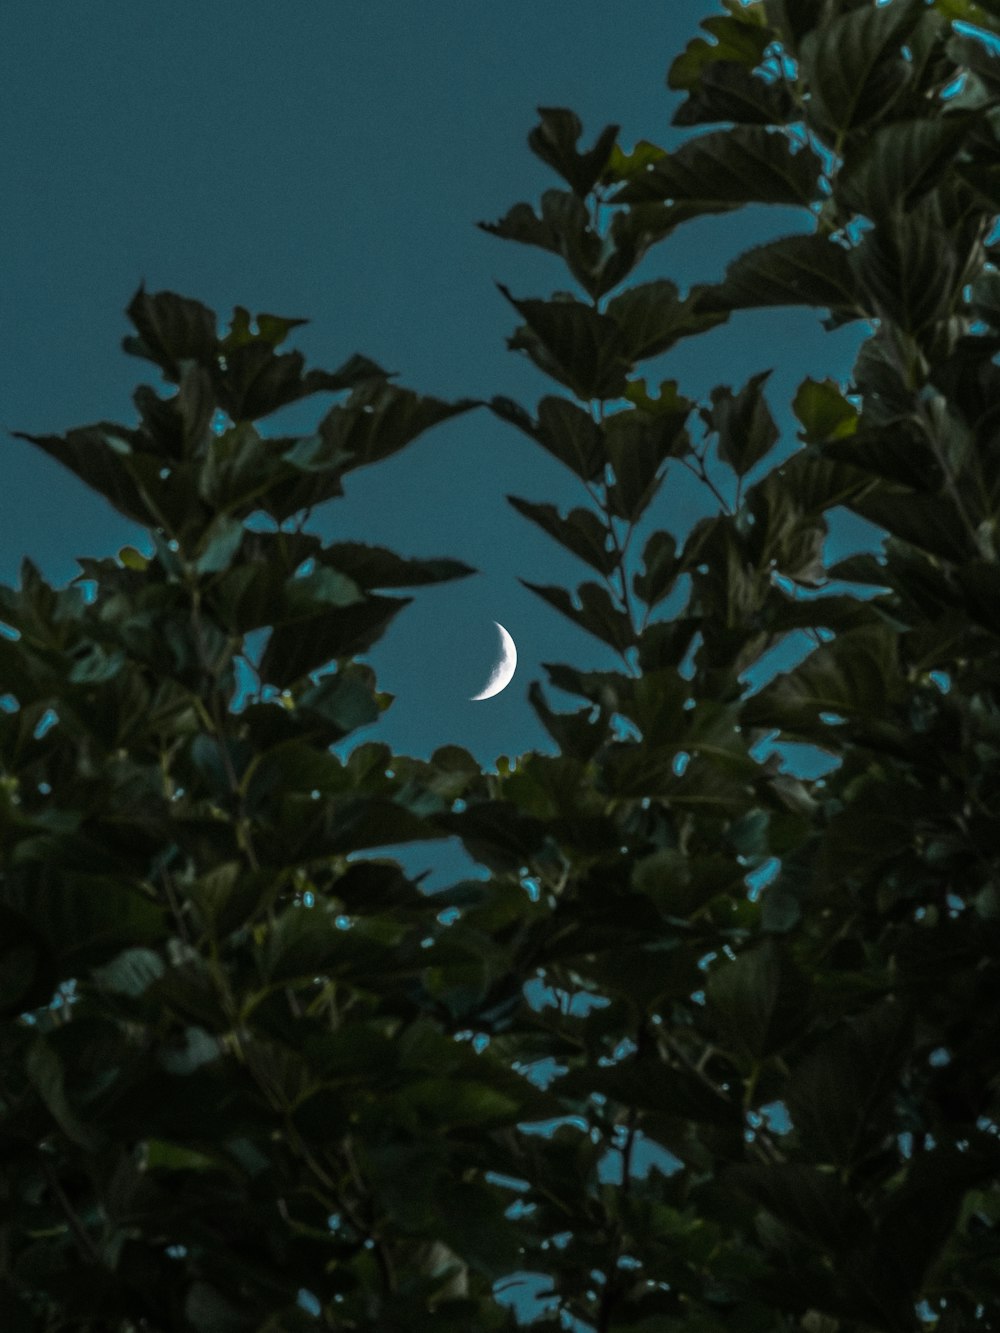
[{"x": 503, "y": 672}]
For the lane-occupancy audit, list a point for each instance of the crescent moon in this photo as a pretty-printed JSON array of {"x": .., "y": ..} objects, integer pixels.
[{"x": 503, "y": 672}]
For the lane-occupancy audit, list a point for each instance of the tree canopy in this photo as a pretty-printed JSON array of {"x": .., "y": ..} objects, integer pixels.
[{"x": 291, "y": 1090}]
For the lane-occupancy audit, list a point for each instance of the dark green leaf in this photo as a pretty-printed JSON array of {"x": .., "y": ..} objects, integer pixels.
[
  {"x": 581, "y": 531},
  {"x": 660, "y": 569},
  {"x": 815, "y": 1205},
  {"x": 794, "y": 270},
  {"x": 728, "y": 90},
  {"x": 298, "y": 647},
  {"x": 760, "y": 1001},
  {"x": 171, "y": 329},
  {"x": 727, "y": 168},
  {"x": 739, "y": 38},
  {"x": 596, "y": 613},
  {"x": 840, "y": 1094},
  {"x": 651, "y": 318},
  {"x": 555, "y": 140},
  {"x": 853, "y": 65},
  {"x": 899, "y": 163},
  {"x": 573, "y": 343},
  {"x": 746, "y": 428}
]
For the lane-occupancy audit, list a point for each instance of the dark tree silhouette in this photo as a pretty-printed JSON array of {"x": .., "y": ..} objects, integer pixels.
[{"x": 291, "y": 1092}]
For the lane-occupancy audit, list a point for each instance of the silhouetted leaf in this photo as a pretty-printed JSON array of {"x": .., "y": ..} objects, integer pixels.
[
  {"x": 580, "y": 531},
  {"x": 744, "y": 422},
  {"x": 651, "y": 318},
  {"x": 854, "y": 66},
  {"x": 573, "y": 343},
  {"x": 899, "y": 163},
  {"x": 596, "y": 613},
  {"x": 794, "y": 270},
  {"x": 746, "y": 164},
  {"x": 555, "y": 140},
  {"x": 728, "y": 90}
]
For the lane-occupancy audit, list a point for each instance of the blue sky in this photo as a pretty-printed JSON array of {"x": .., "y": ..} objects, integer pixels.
[{"x": 330, "y": 162}]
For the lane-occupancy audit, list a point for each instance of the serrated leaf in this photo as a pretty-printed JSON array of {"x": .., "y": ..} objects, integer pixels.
[
  {"x": 303, "y": 645},
  {"x": 907, "y": 268},
  {"x": 759, "y": 1001},
  {"x": 856, "y": 675},
  {"x": 596, "y": 613},
  {"x": 853, "y": 65},
  {"x": 900, "y": 162},
  {"x": 555, "y": 140},
  {"x": 724, "y": 169},
  {"x": 746, "y": 428},
  {"x": 794, "y": 270},
  {"x": 726, "y": 90},
  {"x": 171, "y": 329},
  {"x": 660, "y": 569},
  {"x": 580, "y": 531},
  {"x": 573, "y": 343},
  {"x": 840, "y": 1094},
  {"x": 651, "y": 318},
  {"x": 739, "y": 39},
  {"x": 823, "y": 410}
]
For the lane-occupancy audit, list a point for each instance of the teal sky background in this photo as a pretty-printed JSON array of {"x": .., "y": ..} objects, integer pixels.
[{"x": 329, "y": 160}]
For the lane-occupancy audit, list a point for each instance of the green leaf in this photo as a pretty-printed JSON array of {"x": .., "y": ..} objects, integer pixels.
[
  {"x": 740, "y": 39},
  {"x": 453, "y": 1102},
  {"x": 45, "y": 1070},
  {"x": 219, "y": 544},
  {"x": 521, "y": 223},
  {"x": 83, "y": 918},
  {"x": 651, "y": 318},
  {"x": 726, "y": 90},
  {"x": 596, "y": 612},
  {"x": 661, "y": 569},
  {"x": 555, "y": 140},
  {"x": 856, "y": 675},
  {"x": 853, "y": 65},
  {"x": 132, "y": 972},
  {"x": 724, "y": 169},
  {"x": 898, "y": 163},
  {"x": 495, "y": 833},
  {"x": 572, "y": 343},
  {"x": 623, "y": 166},
  {"x": 760, "y": 1001},
  {"x": 272, "y": 329},
  {"x": 746, "y": 428},
  {"x": 823, "y": 410},
  {"x": 840, "y": 1095},
  {"x": 298, "y": 647},
  {"x": 580, "y": 531},
  {"x": 164, "y": 1156},
  {"x": 171, "y": 329},
  {"x": 133, "y": 559},
  {"x": 380, "y": 419},
  {"x": 815, "y": 1205},
  {"x": 567, "y": 431},
  {"x": 376, "y": 567},
  {"x": 907, "y": 268},
  {"x": 794, "y": 270},
  {"x": 920, "y": 1214}
]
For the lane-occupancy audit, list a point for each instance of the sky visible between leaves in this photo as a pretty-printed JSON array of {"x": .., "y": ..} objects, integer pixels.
[{"x": 330, "y": 161}]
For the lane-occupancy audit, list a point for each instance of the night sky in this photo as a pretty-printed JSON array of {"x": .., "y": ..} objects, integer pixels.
[{"x": 330, "y": 161}]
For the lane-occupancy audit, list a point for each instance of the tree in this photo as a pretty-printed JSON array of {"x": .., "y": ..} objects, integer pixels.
[{"x": 289, "y": 1072}]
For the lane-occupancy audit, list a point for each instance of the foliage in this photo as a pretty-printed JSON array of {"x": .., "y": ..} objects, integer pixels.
[{"x": 287, "y": 1069}]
